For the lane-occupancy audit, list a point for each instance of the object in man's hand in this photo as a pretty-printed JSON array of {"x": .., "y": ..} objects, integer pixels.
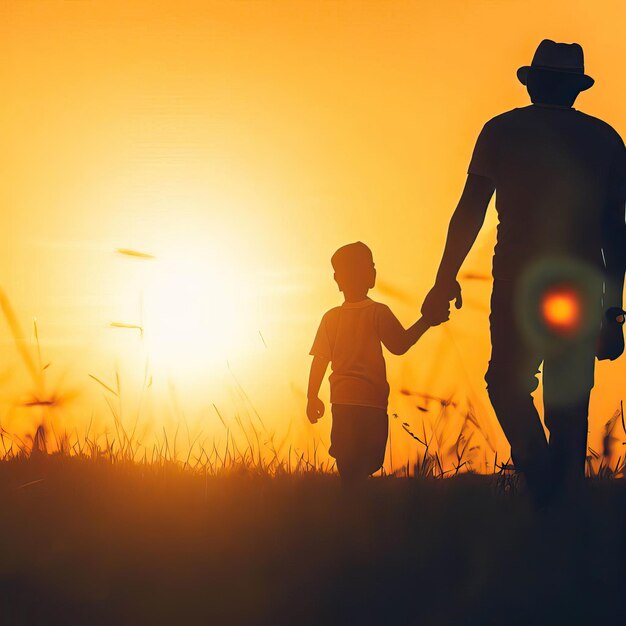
[
  {"x": 617, "y": 314},
  {"x": 611, "y": 340}
]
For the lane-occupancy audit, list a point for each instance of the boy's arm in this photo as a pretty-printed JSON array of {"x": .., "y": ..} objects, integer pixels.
[
  {"x": 395, "y": 337},
  {"x": 315, "y": 407}
]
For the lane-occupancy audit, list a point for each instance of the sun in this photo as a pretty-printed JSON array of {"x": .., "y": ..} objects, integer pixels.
[{"x": 197, "y": 314}]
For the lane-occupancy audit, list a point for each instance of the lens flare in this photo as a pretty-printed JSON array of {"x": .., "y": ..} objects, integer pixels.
[{"x": 561, "y": 310}]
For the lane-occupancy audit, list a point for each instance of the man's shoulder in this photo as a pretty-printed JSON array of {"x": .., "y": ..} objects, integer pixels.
[
  {"x": 500, "y": 125},
  {"x": 600, "y": 126},
  {"x": 502, "y": 119},
  {"x": 516, "y": 116}
]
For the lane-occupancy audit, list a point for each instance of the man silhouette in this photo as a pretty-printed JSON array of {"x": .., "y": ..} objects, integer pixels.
[{"x": 558, "y": 266}]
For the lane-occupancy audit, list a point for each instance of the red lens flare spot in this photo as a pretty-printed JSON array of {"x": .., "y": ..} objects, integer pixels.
[{"x": 561, "y": 310}]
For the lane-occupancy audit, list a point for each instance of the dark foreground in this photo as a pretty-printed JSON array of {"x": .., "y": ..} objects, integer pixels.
[{"x": 93, "y": 543}]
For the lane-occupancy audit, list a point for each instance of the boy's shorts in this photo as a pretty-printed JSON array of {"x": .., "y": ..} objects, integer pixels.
[{"x": 358, "y": 437}]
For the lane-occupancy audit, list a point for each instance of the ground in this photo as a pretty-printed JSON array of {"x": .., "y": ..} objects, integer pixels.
[{"x": 90, "y": 542}]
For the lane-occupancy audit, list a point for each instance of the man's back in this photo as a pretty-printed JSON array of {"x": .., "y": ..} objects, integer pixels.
[{"x": 553, "y": 170}]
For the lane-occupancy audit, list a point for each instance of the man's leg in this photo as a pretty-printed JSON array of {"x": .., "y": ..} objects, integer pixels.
[
  {"x": 511, "y": 379},
  {"x": 567, "y": 382}
]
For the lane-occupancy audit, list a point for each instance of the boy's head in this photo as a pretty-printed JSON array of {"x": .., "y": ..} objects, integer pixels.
[{"x": 354, "y": 269}]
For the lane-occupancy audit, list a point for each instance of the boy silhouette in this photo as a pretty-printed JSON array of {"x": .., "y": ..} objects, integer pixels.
[{"x": 349, "y": 338}]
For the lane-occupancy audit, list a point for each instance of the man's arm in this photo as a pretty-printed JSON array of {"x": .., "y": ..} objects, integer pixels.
[
  {"x": 465, "y": 225},
  {"x": 614, "y": 230},
  {"x": 315, "y": 407},
  {"x": 614, "y": 250},
  {"x": 611, "y": 340}
]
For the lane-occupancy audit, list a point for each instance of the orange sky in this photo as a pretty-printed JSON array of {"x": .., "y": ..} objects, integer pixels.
[{"x": 241, "y": 143}]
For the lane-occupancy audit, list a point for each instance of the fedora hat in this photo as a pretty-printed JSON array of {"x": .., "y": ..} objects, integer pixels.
[{"x": 564, "y": 58}]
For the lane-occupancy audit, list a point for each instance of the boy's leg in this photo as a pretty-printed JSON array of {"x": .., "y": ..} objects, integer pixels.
[
  {"x": 342, "y": 441},
  {"x": 372, "y": 439},
  {"x": 358, "y": 440}
]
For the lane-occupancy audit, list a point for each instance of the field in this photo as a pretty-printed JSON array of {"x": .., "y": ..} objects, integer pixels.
[
  {"x": 104, "y": 527},
  {"x": 176, "y": 178},
  {"x": 94, "y": 541}
]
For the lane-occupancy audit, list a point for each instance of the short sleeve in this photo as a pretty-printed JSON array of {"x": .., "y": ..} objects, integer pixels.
[
  {"x": 484, "y": 158},
  {"x": 390, "y": 330},
  {"x": 321, "y": 344},
  {"x": 384, "y": 319}
]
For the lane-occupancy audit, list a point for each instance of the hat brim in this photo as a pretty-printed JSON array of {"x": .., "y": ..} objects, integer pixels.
[{"x": 584, "y": 81}]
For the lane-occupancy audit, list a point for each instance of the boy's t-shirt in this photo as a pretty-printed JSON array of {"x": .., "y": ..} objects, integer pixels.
[{"x": 349, "y": 336}]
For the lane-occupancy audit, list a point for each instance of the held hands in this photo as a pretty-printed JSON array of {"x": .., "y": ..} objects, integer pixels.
[
  {"x": 314, "y": 409},
  {"x": 436, "y": 307}
]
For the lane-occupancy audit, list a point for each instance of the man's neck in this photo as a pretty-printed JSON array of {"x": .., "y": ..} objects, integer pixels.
[{"x": 547, "y": 105}]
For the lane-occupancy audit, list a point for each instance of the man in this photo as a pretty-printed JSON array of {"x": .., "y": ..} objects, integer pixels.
[{"x": 558, "y": 266}]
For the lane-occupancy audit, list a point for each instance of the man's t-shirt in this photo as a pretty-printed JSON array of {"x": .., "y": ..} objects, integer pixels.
[
  {"x": 556, "y": 171},
  {"x": 350, "y": 336}
]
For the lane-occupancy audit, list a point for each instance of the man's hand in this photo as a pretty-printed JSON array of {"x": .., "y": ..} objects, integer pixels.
[
  {"x": 436, "y": 307},
  {"x": 314, "y": 409},
  {"x": 611, "y": 340}
]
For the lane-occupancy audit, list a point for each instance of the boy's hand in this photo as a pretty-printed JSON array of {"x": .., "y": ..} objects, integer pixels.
[{"x": 314, "y": 409}]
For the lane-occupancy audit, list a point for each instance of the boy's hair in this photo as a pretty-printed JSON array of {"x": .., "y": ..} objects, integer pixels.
[{"x": 353, "y": 264}]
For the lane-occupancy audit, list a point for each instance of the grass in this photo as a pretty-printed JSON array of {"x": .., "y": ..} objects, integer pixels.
[
  {"x": 100, "y": 528},
  {"x": 87, "y": 541}
]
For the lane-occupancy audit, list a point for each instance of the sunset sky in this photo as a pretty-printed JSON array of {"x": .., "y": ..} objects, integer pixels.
[{"x": 240, "y": 143}]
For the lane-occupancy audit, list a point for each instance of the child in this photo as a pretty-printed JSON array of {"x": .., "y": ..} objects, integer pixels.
[{"x": 349, "y": 337}]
